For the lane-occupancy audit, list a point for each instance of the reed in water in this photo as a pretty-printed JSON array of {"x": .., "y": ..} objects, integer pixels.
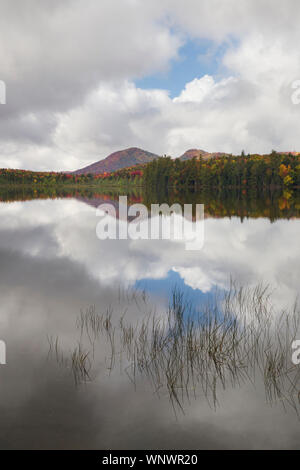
[{"x": 236, "y": 337}]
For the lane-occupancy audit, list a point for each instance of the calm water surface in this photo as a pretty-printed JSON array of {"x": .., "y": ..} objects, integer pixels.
[{"x": 53, "y": 266}]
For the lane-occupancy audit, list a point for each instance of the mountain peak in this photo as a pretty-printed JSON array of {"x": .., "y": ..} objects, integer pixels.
[
  {"x": 117, "y": 160},
  {"x": 197, "y": 153},
  {"x": 191, "y": 153}
]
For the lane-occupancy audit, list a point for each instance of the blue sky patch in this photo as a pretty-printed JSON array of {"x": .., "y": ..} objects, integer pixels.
[{"x": 196, "y": 58}]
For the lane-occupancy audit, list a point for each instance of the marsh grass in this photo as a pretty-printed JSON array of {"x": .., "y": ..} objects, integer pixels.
[{"x": 235, "y": 338}]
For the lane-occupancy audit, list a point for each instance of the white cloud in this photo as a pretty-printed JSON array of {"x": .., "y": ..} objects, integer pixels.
[
  {"x": 200, "y": 88},
  {"x": 70, "y": 67}
]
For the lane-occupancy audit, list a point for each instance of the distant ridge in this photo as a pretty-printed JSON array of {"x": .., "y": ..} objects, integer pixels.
[
  {"x": 136, "y": 156},
  {"x": 117, "y": 160},
  {"x": 197, "y": 153},
  {"x": 193, "y": 153}
]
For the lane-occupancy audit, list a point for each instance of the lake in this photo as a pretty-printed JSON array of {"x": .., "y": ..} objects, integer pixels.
[{"x": 105, "y": 345}]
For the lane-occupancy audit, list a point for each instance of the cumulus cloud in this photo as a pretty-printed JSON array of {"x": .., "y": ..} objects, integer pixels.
[
  {"x": 70, "y": 69},
  {"x": 198, "y": 89},
  {"x": 53, "y": 55}
]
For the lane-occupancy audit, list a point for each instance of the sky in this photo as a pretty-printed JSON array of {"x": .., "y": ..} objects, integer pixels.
[{"x": 86, "y": 78}]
